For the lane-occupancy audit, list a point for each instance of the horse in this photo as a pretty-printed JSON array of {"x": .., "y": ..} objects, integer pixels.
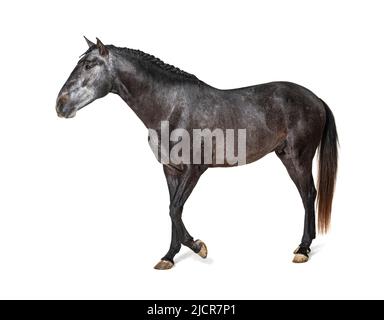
[{"x": 280, "y": 117}]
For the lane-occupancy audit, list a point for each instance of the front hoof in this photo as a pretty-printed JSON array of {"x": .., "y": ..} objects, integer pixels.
[
  {"x": 203, "y": 252},
  {"x": 300, "y": 258},
  {"x": 164, "y": 265},
  {"x": 301, "y": 255}
]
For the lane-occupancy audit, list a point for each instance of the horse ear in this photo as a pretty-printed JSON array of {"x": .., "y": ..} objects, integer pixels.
[
  {"x": 89, "y": 42},
  {"x": 102, "y": 48}
]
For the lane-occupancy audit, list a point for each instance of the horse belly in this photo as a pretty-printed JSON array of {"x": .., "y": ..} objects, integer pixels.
[{"x": 254, "y": 135}]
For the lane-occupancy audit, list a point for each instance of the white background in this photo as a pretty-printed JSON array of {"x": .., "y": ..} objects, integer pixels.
[{"x": 83, "y": 202}]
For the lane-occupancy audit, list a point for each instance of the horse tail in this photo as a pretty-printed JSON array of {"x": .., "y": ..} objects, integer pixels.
[{"x": 327, "y": 171}]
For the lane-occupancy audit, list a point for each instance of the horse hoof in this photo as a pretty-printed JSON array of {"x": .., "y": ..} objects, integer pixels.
[
  {"x": 301, "y": 254},
  {"x": 164, "y": 265},
  {"x": 300, "y": 258},
  {"x": 203, "y": 249}
]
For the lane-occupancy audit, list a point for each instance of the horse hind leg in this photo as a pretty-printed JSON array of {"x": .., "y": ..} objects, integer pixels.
[{"x": 299, "y": 166}]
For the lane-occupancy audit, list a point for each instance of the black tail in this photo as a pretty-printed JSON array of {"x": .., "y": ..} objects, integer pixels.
[{"x": 327, "y": 171}]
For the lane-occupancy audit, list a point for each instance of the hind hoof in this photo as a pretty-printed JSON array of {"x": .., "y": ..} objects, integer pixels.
[
  {"x": 300, "y": 258},
  {"x": 164, "y": 265},
  {"x": 203, "y": 252},
  {"x": 301, "y": 254}
]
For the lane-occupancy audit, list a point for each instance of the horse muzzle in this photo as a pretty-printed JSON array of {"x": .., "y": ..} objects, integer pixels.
[{"x": 64, "y": 108}]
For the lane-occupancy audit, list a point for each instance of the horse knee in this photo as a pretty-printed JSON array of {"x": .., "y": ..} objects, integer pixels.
[{"x": 175, "y": 211}]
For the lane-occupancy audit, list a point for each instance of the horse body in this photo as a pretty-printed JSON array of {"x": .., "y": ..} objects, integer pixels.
[
  {"x": 273, "y": 114},
  {"x": 279, "y": 116}
]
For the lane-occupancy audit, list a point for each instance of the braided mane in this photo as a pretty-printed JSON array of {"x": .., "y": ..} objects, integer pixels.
[{"x": 156, "y": 61}]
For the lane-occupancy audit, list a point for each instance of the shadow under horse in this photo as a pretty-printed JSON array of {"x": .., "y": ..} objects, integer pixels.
[{"x": 280, "y": 117}]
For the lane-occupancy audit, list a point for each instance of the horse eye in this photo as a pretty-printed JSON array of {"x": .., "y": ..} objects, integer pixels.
[{"x": 89, "y": 66}]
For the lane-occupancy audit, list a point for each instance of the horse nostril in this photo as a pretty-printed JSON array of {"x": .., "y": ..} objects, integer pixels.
[
  {"x": 62, "y": 99},
  {"x": 61, "y": 102}
]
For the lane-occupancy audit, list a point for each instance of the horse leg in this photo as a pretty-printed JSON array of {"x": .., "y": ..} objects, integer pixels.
[
  {"x": 180, "y": 186},
  {"x": 299, "y": 167}
]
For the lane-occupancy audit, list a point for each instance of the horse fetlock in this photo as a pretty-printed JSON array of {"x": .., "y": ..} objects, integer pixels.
[
  {"x": 189, "y": 243},
  {"x": 302, "y": 249}
]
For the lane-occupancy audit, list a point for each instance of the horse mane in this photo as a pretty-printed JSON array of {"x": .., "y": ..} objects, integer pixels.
[{"x": 151, "y": 59}]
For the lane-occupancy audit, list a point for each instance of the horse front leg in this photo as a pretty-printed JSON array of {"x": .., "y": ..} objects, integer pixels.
[
  {"x": 180, "y": 185},
  {"x": 167, "y": 261}
]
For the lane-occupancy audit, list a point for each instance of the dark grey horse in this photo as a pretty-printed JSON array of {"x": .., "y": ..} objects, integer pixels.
[{"x": 279, "y": 117}]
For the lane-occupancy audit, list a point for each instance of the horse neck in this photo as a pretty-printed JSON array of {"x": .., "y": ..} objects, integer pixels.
[{"x": 142, "y": 92}]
